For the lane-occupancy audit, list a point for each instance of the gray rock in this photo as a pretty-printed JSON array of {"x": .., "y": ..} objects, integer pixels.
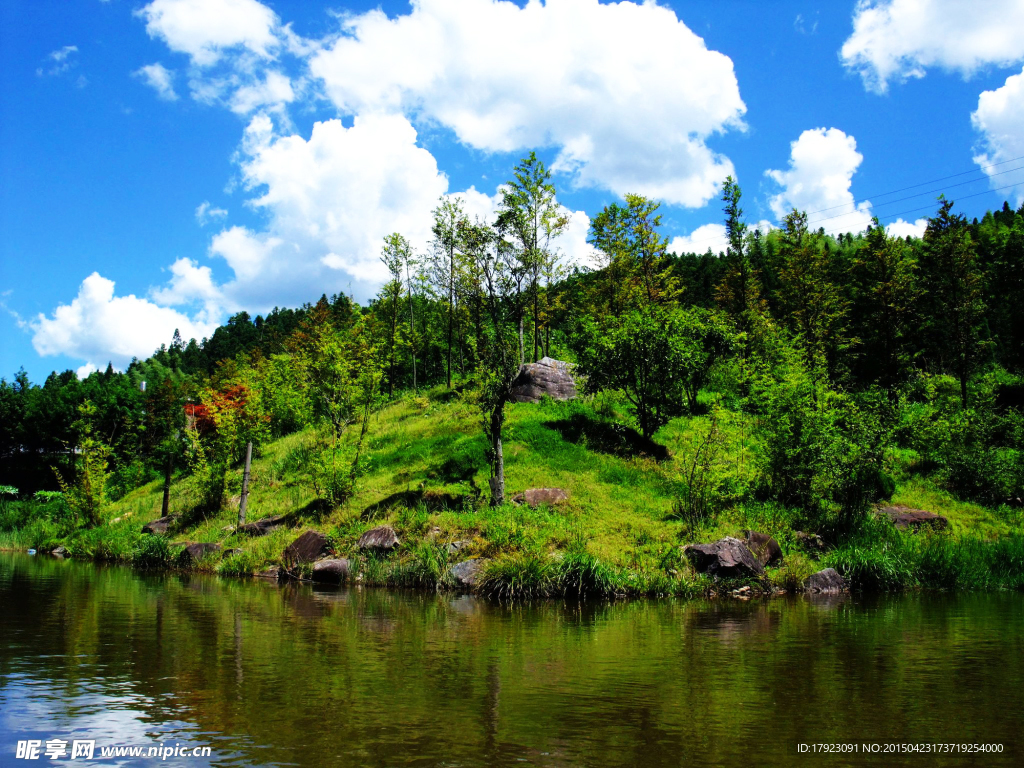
[
  {"x": 535, "y": 497},
  {"x": 826, "y": 582},
  {"x": 160, "y": 525},
  {"x": 727, "y": 558},
  {"x": 195, "y": 552},
  {"x": 335, "y": 570},
  {"x": 229, "y": 553},
  {"x": 549, "y": 377},
  {"x": 273, "y": 573},
  {"x": 906, "y": 518},
  {"x": 263, "y": 526},
  {"x": 765, "y": 548},
  {"x": 60, "y": 553},
  {"x": 809, "y": 542},
  {"x": 381, "y": 539},
  {"x": 467, "y": 574},
  {"x": 457, "y": 546},
  {"x": 310, "y": 546}
]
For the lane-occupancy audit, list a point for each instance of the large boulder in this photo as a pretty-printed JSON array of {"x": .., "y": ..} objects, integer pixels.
[
  {"x": 826, "y": 582},
  {"x": 334, "y": 570},
  {"x": 380, "y": 539},
  {"x": 535, "y": 497},
  {"x": 727, "y": 558},
  {"x": 263, "y": 526},
  {"x": 273, "y": 573},
  {"x": 765, "y": 548},
  {"x": 545, "y": 377},
  {"x": 906, "y": 518},
  {"x": 310, "y": 546},
  {"x": 466, "y": 575},
  {"x": 160, "y": 525},
  {"x": 193, "y": 553}
]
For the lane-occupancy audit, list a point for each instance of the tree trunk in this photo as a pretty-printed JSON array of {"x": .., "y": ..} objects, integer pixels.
[
  {"x": 451, "y": 313},
  {"x": 497, "y": 481},
  {"x": 522, "y": 348},
  {"x": 245, "y": 484},
  {"x": 165, "y": 508},
  {"x": 536, "y": 319}
]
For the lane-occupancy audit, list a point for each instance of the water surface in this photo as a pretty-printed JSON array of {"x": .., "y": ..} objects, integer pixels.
[{"x": 298, "y": 675}]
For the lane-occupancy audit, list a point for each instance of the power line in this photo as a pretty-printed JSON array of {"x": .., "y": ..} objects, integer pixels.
[{"x": 933, "y": 181}]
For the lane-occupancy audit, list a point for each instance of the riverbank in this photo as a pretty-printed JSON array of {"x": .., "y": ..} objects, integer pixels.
[{"x": 621, "y": 530}]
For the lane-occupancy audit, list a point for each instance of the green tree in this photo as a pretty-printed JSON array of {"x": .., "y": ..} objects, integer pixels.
[
  {"x": 953, "y": 295},
  {"x": 658, "y": 358},
  {"x": 88, "y": 495},
  {"x": 530, "y": 217}
]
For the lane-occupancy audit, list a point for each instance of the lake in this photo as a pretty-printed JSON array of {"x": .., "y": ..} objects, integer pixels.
[{"x": 262, "y": 674}]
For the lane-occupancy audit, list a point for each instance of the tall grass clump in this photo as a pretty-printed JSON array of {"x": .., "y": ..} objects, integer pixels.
[{"x": 516, "y": 576}]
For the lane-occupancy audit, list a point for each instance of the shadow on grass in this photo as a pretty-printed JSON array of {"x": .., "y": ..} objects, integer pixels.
[
  {"x": 433, "y": 500},
  {"x": 607, "y": 437}
]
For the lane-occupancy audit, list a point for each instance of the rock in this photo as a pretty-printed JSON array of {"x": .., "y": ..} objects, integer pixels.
[
  {"x": 765, "y": 548},
  {"x": 335, "y": 570},
  {"x": 310, "y": 546},
  {"x": 193, "y": 553},
  {"x": 467, "y": 573},
  {"x": 546, "y": 377},
  {"x": 228, "y": 529},
  {"x": 534, "y": 497},
  {"x": 809, "y": 542},
  {"x": 906, "y": 518},
  {"x": 826, "y": 582},
  {"x": 60, "y": 552},
  {"x": 457, "y": 546},
  {"x": 273, "y": 572},
  {"x": 381, "y": 539},
  {"x": 263, "y": 526},
  {"x": 726, "y": 558},
  {"x": 229, "y": 553},
  {"x": 159, "y": 525}
]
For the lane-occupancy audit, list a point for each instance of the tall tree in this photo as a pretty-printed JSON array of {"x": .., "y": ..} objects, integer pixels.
[
  {"x": 739, "y": 292},
  {"x": 392, "y": 254},
  {"x": 449, "y": 221},
  {"x": 530, "y": 217},
  {"x": 954, "y": 303}
]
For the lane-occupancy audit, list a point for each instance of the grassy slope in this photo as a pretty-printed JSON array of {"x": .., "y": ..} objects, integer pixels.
[{"x": 424, "y": 473}]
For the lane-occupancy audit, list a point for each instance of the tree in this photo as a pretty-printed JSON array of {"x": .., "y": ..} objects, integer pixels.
[
  {"x": 530, "y": 217},
  {"x": 812, "y": 302},
  {"x": 739, "y": 292},
  {"x": 449, "y": 221},
  {"x": 393, "y": 255},
  {"x": 954, "y": 304},
  {"x": 499, "y": 365},
  {"x": 88, "y": 495},
  {"x": 658, "y": 358},
  {"x": 884, "y": 310}
]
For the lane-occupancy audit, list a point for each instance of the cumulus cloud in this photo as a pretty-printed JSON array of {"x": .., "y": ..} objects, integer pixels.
[
  {"x": 98, "y": 326},
  {"x": 999, "y": 120},
  {"x": 901, "y": 228},
  {"x": 901, "y": 39},
  {"x": 821, "y": 167},
  {"x": 206, "y": 29},
  {"x": 160, "y": 79},
  {"x": 206, "y": 213},
  {"x": 710, "y": 236},
  {"x": 579, "y": 67}
]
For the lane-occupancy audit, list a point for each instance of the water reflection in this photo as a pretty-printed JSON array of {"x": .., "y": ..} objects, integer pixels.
[{"x": 297, "y": 675}]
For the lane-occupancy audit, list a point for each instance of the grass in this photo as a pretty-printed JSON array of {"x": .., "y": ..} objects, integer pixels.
[{"x": 424, "y": 473}]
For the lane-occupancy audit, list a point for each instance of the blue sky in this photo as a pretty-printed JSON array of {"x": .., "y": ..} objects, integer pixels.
[{"x": 165, "y": 164}]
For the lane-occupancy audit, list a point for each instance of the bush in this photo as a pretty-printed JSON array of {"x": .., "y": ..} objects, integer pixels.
[{"x": 151, "y": 552}]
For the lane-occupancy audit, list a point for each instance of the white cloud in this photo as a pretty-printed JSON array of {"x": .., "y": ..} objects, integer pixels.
[
  {"x": 274, "y": 91},
  {"x": 160, "y": 79},
  {"x": 821, "y": 167},
  {"x": 98, "y": 327},
  {"x": 63, "y": 61},
  {"x": 191, "y": 284},
  {"x": 711, "y": 236},
  {"x": 578, "y": 68},
  {"x": 1000, "y": 121},
  {"x": 205, "y": 29},
  {"x": 700, "y": 240},
  {"x": 206, "y": 213},
  {"x": 900, "y": 39},
  {"x": 901, "y": 228}
]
